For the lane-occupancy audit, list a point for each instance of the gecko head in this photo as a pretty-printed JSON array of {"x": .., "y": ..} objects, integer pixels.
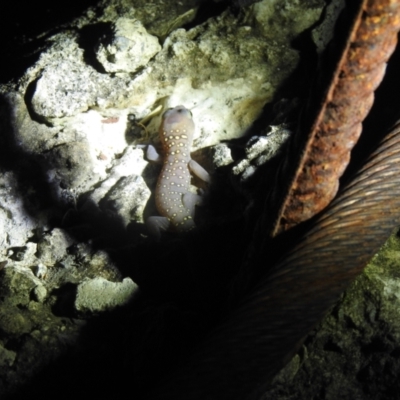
[
  {"x": 176, "y": 115},
  {"x": 177, "y": 120}
]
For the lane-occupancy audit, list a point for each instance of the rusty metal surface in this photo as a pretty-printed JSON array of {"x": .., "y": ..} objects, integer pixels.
[
  {"x": 259, "y": 337},
  {"x": 335, "y": 129}
]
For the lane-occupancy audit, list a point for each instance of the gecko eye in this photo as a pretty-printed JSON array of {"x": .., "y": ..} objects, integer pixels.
[{"x": 183, "y": 110}]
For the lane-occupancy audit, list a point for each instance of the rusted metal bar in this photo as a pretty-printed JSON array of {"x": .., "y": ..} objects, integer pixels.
[{"x": 320, "y": 159}]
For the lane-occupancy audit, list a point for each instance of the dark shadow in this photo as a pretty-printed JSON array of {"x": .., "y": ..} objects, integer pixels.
[
  {"x": 89, "y": 39},
  {"x": 30, "y": 92},
  {"x": 64, "y": 305},
  {"x": 25, "y": 27},
  {"x": 206, "y": 10},
  {"x": 26, "y": 167}
]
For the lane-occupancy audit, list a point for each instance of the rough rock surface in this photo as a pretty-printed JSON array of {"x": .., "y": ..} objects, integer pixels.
[
  {"x": 131, "y": 47},
  {"x": 98, "y": 294}
]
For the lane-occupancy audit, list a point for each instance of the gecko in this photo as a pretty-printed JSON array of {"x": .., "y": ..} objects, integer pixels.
[{"x": 174, "y": 201}]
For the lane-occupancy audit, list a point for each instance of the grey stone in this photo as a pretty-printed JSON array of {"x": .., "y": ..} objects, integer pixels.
[{"x": 98, "y": 294}]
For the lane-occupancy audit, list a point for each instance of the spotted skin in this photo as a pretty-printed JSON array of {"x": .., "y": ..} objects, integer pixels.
[{"x": 175, "y": 203}]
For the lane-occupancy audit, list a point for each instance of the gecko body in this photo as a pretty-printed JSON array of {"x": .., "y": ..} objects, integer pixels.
[{"x": 174, "y": 201}]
